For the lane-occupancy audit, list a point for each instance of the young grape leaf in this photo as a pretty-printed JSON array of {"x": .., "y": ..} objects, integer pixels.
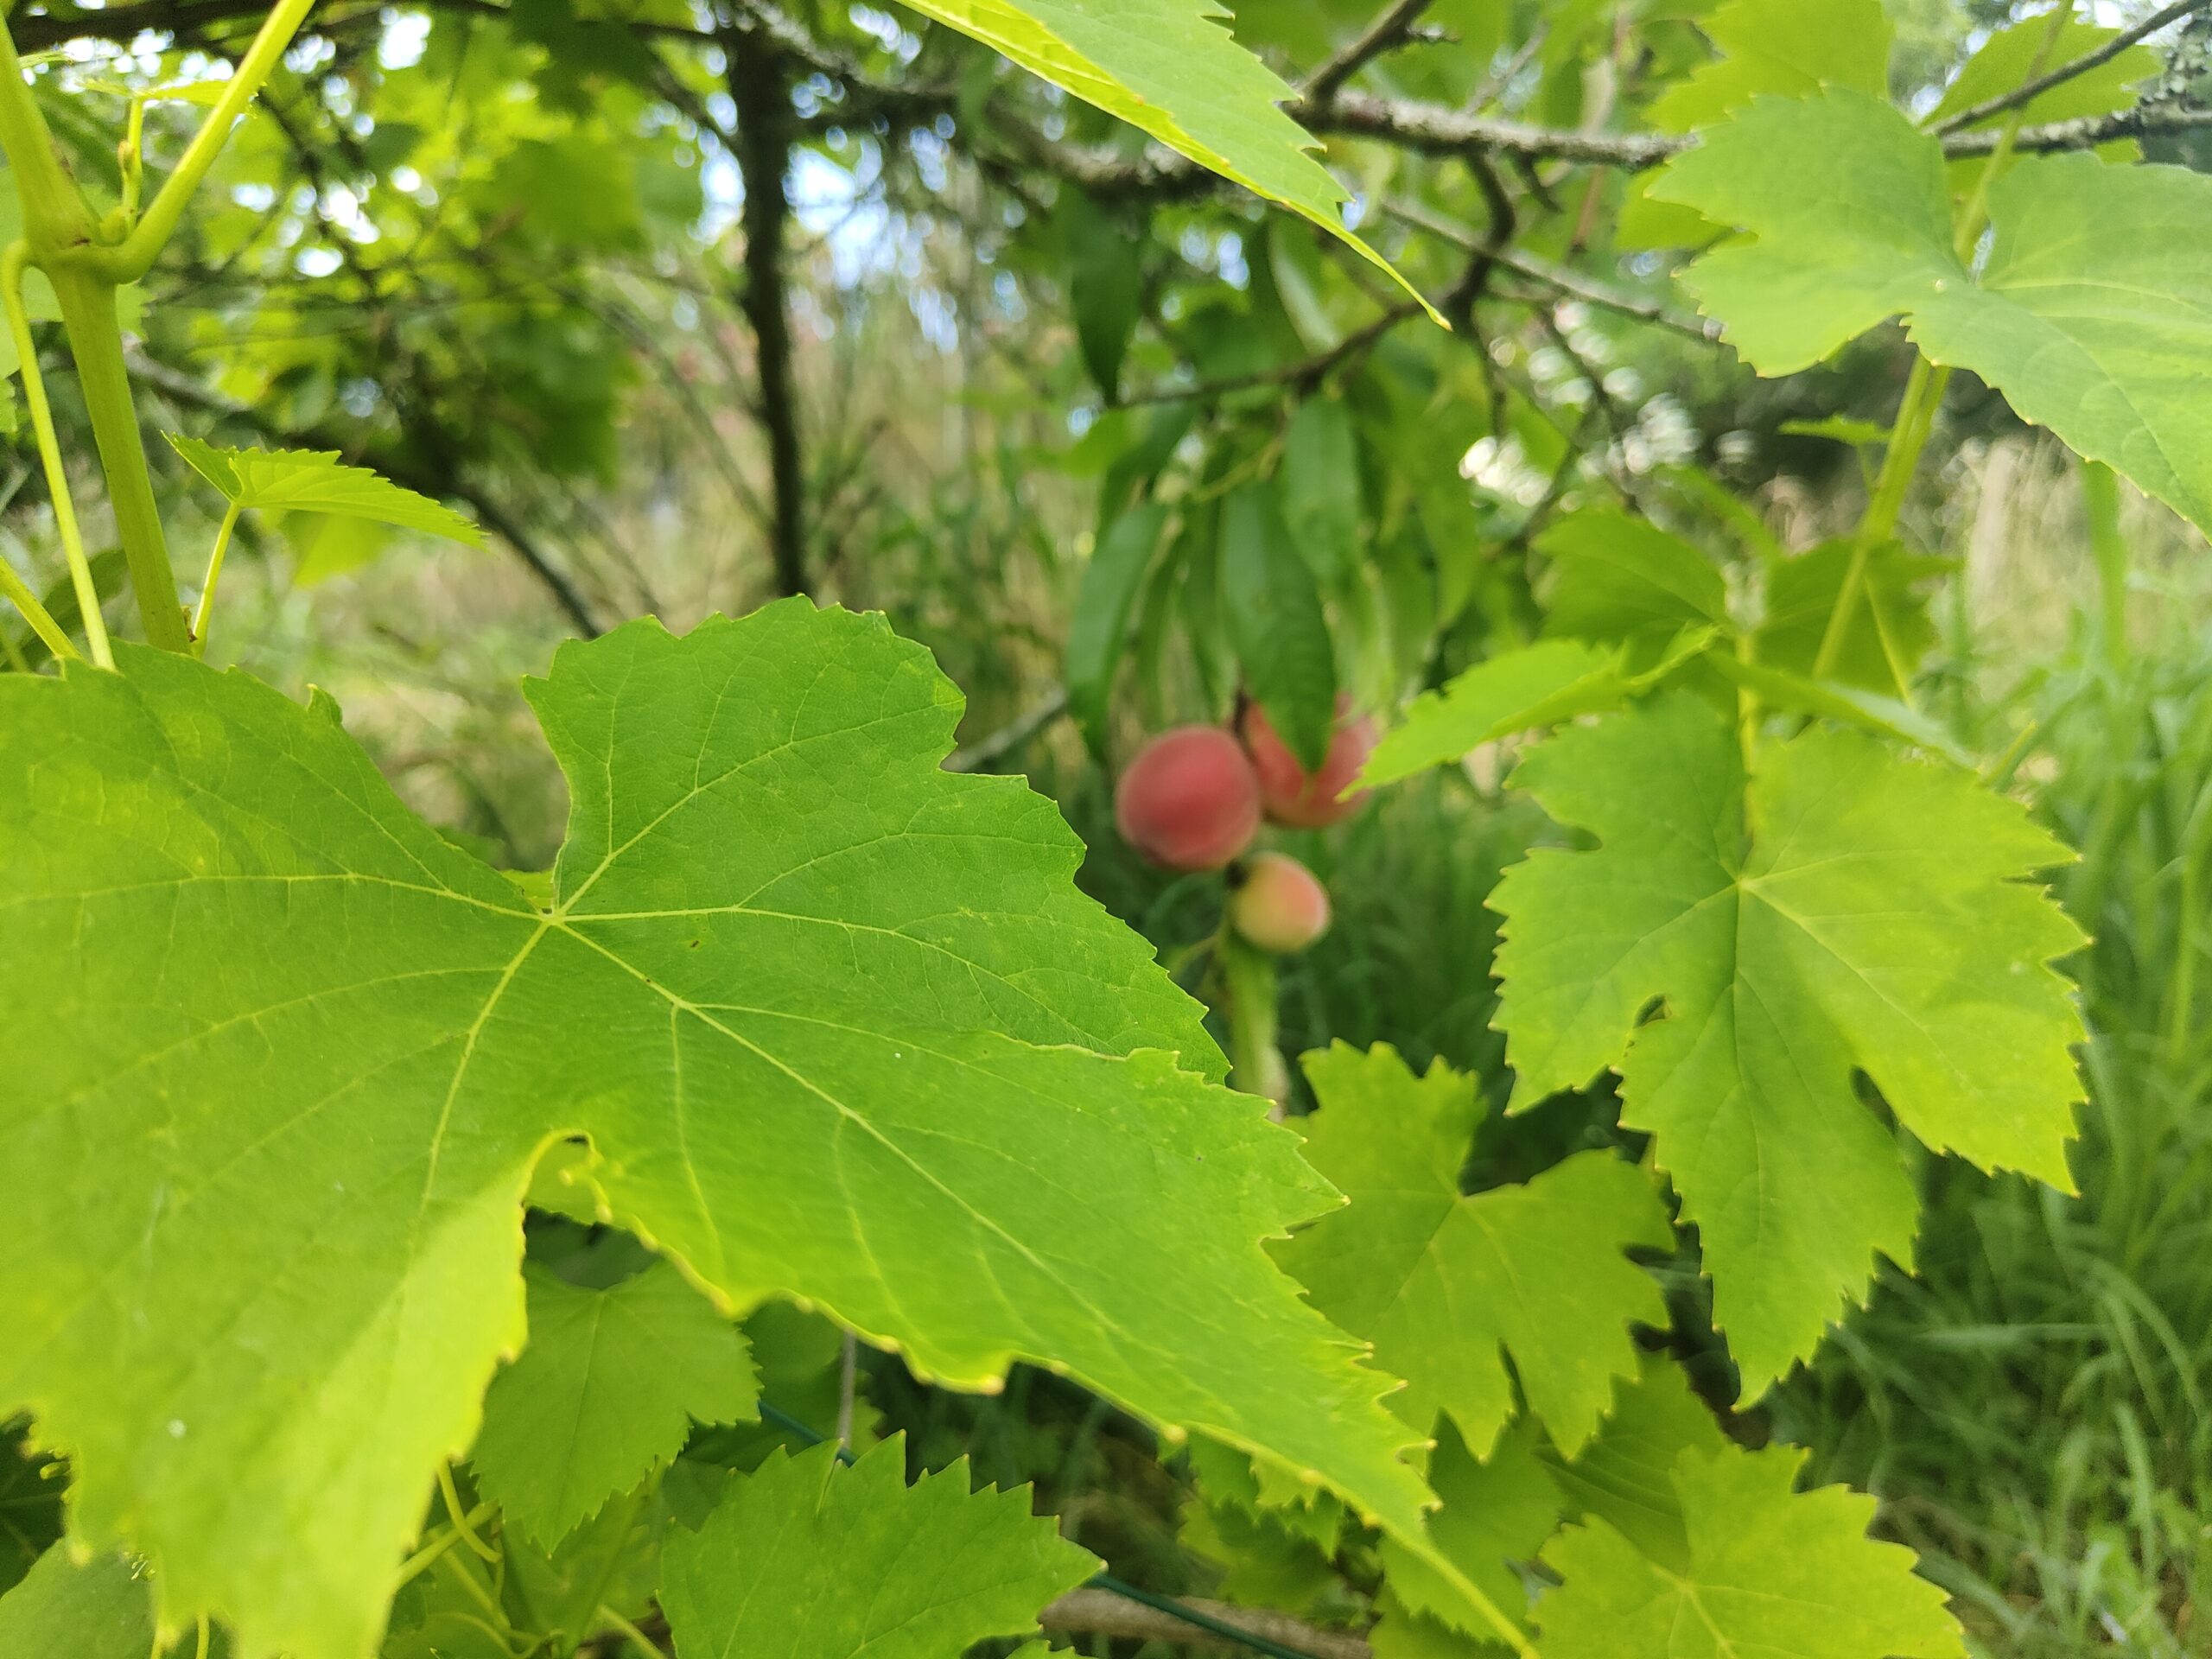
[
  {"x": 1445, "y": 1286},
  {"x": 2091, "y": 312},
  {"x": 837, "y": 1024},
  {"x": 605, "y": 1393},
  {"x": 309, "y": 480},
  {"x": 1887, "y": 633},
  {"x": 1769, "y": 1571},
  {"x": 807, "y": 1560},
  {"x": 99, "y": 1611},
  {"x": 1170, "y": 69},
  {"x": 1542, "y": 684},
  {"x": 1843, "y": 911},
  {"x": 1276, "y": 618}
]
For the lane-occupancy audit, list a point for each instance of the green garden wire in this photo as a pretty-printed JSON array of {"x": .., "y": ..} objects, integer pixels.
[{"x": 1105, "y": 1581}]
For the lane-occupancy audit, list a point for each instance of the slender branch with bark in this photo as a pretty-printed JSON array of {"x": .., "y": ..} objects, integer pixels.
[
  {"x": 1102, "y": 1612},
  {"x": 759, "y": 81}
]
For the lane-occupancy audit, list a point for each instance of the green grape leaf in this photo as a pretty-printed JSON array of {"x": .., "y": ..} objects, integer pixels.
[
  {"x": 97, "y": 1611},
  {"x": 808, "y": 1559},
  {"x": 1783, "y": 690},
  {"x": 1619, "y": 579},
  {"x": 309, "y": 480},
  {"x": 2092, "y": 313},
  {"x": 1275, "y": 619},
  {"x": 604, "y": 1394},
  {"x": 1542, "y": 684},
  {"x": 837, "y": 1023},
  {"x": 1496, "y": 1512},
  {"x": 1100, "y": 622},
  {"x": 1770, "y": 1571},
  {"x": 1843, "y": 913},
  {"x": 1625, "y": 1477},
  {"x": 1445, "y": 1286},
  {"x": 1887, "y": 633},
  {"x": 1170, "y": 69},
  {"x": 1791, "y": 47},
  {"x": 2016, "y": 54}
]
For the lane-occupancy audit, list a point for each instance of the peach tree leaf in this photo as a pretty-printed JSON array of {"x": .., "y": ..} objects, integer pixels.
[
  {"x": 808, "y": 1559},
  {"x": 605, "y": 1393},
  {"x": 837, "y": 1023},
  {"x": 1740, "y": 950}
]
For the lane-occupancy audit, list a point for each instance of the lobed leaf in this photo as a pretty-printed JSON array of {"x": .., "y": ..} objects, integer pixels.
[
  {"x": 309, "y": 480},
  {"x": 837, "y": 1023},
  {"x": 1446, "y": 1285},
  {"x": 805, "y": 1559},
  {"x": 1840, "y": 912},
  {"x": 2091, "y": 312},
  {"x": 604, "y": 1394}
]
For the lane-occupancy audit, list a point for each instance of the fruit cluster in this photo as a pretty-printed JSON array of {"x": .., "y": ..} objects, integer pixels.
[{"x": 1193, "y": 799}]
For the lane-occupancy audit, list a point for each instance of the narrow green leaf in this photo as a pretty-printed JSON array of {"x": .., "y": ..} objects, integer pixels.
[
  {"x": 806, "y": 1560},
  {"x": 2091, "y": 312},
  {"x": 1099, "y": 626},
  {"x": 1843, "y": 911},
  {"x": 1320, "y": 486},
  {"x": 1276, "y": 622},
  {"x": 605, "y": 1393},
  {"x": 1169, "y": 68},
  {"x": 1105, "y": 289},
  {"x": 305, "y": 480}
]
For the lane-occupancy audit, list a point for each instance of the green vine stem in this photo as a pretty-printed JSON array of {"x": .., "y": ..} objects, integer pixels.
[
  {"x": 41, "y": 620},
  {"x": 64, "y": 241},
  {"x": 49, "y": 454},
  {"x": 1250, "y": 991},
  {"x": 200, "y": 618}
]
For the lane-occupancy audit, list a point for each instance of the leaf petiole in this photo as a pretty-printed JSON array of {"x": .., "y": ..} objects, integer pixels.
[
  {"x": 214, "y": 571},
  {"x": 12, "y": 265}
]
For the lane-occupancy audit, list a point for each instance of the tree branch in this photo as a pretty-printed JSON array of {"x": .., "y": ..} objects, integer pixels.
[
  {"x": 2035, "y": 87},
  {"x": 1101, "y": 1613},
  {"x": 759, "y": 84},
  {"x": 2084, "y": 132},
  {"x": 1389, "y": 29}
]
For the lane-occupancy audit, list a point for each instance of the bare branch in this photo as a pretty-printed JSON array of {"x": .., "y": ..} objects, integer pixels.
[
  {"x": 2085, "y": 132},
  {"x": 1389, "y": 29},
  {"x": 2035, "y": 87},
  {"x": 987, "y": 751},
  {"x": 1102, "y": 1612}
]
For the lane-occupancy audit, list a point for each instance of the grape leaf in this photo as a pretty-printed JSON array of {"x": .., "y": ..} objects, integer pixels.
[
  {"x": 1791, "y": 47},
  {"x": 806, "y": 1560},
  {"x": 1625, "y": 1477},
  {"x": 836, "y": 1022},
  {"x": 309, "y": 480},
  {"x": 2019, "y": 51},
  {"x": 99, "y": 1611},
  {"x": 1888, "y": 632},
  {"x": 1444, "y": 1285},
  {"x": 1769, "y": 1571},
  {"x": 2091, "y": 312},
  {"x": 1496, "y": 1513},
  {"x": 1843, "y": 911},
  {"x": 1170, "y": 69},
  {"x": 605, "y": 1393}
]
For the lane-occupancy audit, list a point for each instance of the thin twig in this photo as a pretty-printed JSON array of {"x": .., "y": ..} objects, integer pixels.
[
  {"x": 2028, "y": 91},
  {"x": 1385, "y": 32},
  {"x": 1102, "y": 1613},
  {"x": 987, "y": 751}
]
